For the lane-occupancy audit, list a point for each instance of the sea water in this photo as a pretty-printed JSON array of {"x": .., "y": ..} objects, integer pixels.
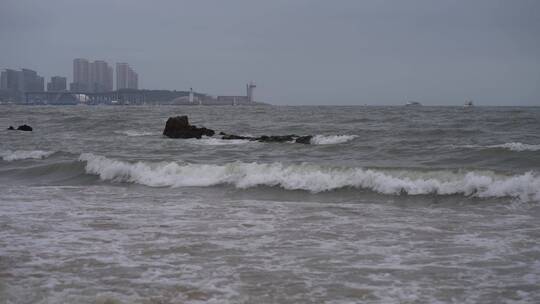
[{"x": 386, "y": 205}]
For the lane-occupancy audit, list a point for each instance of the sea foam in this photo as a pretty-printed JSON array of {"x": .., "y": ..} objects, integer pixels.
[
  {"x": 315, "y": 178},
  {"x": 512, "y": 146},
  {"x": 21, "y": 154},
  {"x": 331, "y": 139},
  {"x": 135, "y": 133},
  {"x": 517, "y": 146}
]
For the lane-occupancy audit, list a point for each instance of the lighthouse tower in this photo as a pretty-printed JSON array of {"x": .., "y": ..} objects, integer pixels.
[
  {"x": 249, "y": 88},
  {"x": 190, "y": 95}
]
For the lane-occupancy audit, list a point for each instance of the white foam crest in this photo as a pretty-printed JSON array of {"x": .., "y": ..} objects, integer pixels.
[
  {"x": 331, "y": 139},
  {"x": 213, "y": 141},
  {"x": 136, "y": 133},
  {"x": 512, "y": 146},
  {"x": 22, "y": 154},
  {"x": 316, "y": 178},
  {"x": 517, "y": 146}
]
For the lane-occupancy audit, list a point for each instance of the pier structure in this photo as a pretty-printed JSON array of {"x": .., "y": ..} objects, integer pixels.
[{"x": 74, "y": 97}]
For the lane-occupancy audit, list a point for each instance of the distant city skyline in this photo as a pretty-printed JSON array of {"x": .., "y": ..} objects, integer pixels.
[
  {"x": 299, "y": 52},
  {"x": 91, "y": 76}
]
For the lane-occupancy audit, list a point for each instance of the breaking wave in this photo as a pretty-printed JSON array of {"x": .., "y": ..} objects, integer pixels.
[
  {"x": 331, "y": 139},
  {"x": 22, "y": 154},
  {"x": 315, "y": 178}
]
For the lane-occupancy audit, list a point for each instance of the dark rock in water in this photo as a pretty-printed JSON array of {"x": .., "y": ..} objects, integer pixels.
[
  {"x": 304, "y": 139},
  {"x": 206, "y": 132},
  {"x": 264, "y": 138},
  {"x": 179, "y": 127},
  {"x": 24, "y": 128},
  {"x": 232, "y": 136},
  {"x": 11, "y": 128},
  {"x": 278, "y": 138}
]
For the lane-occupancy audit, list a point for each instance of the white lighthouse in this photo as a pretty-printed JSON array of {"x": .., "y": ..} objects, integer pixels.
[
  {"x": 190, "y": 95},
  {"x": 249, "y": 88}
]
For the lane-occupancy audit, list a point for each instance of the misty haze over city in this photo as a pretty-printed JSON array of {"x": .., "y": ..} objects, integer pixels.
[{"x": 298, "y": 52}]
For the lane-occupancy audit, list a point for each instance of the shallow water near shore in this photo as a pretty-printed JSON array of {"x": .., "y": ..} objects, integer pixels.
[{"x": 387, "y": 205}]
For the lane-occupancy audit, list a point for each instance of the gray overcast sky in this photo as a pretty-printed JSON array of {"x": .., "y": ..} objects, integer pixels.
[{"x": 297, "y": 51}]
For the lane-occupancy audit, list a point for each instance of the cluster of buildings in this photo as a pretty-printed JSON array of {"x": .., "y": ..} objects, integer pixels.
[
  {"x": 88, "y": 77},
  {"x": 14, "y": 83},
  {"x": 97, "y": 76}
]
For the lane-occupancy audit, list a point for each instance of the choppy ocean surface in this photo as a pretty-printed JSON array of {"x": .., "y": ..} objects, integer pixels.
[{"x": 387, "y": 205}]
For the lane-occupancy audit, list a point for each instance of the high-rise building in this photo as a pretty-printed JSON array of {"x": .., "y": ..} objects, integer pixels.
[
  {"x": 110, "y": 78},
  {"x": 133, "y": 80},
  {"x": 100, "y": 80},
  {"x": 9, "y": 80},
  {"x": 57, "y": 84},
  {"x": 126, "y": 78},
  {"x": 30, "y": 81},
  {"x": 91, "y": 76},
  {"x": 81, "y": 75},
  {"x": 9, "y": 85},
  {"x": 121, "y": 75},
  {"x": 16, "y": 83}
]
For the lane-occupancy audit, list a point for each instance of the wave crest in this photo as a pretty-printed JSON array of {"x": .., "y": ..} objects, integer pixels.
[
  {"x": 316, "y": 178},
  {"x": 331, "y": 139},
  {"x": 22, "y": 154},
  {"x": 517, "y": 146},
  {"x": 512, "y": 146}
]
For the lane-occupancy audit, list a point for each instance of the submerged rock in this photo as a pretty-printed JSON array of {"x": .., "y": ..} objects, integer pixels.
[
  {"x": 179, "y": 127},
  {"x": 24, "y": 128}
]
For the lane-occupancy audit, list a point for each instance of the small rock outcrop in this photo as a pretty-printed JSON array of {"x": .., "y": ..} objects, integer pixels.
[
  {"x": 277, "y": 138},
  {"x": 232, "y": 136},
  {"x": 272, "y": 138},
  {"x": 11, "y": 128},
  {"x": 304, "y": 139},
  {"x": 179, "y": 127},
  {"x": 24, "y": 128}
]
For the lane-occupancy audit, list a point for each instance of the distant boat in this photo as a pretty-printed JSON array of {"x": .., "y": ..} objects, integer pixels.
[
  {"x": 468, "y": 103},
  {"x": 413, "y": 104}
]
